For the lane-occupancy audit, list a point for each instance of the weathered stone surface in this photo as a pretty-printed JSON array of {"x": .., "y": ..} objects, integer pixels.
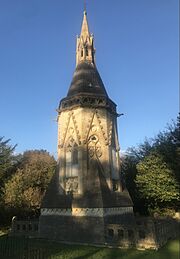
[
  {"x": 73, "y": 229},
  {"x": 86, "y": 193}
]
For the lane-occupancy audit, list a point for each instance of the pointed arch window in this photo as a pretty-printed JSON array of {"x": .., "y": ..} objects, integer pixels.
[
  {"x": 75, "y": 155},
  {"x": 72, "y": 164},
  {"x": 86, "y": 51},
  {"x": 82, "y": 53},
  {"x": 115, "y": 173},
  {"x": 68, "y": 163}
]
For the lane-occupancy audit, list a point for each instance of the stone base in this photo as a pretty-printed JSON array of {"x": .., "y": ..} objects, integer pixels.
[
  {"x": 72, "y": 229},
  {"x": 84, "y": 225},
  {"x": 109, "y": 231}
]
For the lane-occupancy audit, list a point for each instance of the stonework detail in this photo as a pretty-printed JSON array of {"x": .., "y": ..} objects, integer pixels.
[
  {"x": 84, "y": 47},
  {"x": 71, "y": 185},
  {"x": 94, "y": 147},
  {"x": 71, "y": 131},
  {"x": 92, "y": 131},
  {"x": 87, "y": 212},
  {"x": 92, "y": 101},
  {"x": 110, "y": 133},
  {"x": 89, "y": 125},
  {"x": 86, "y": 192}
]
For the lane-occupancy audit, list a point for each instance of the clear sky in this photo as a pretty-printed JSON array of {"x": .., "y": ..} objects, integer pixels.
[{"x": 136, "y": 54}]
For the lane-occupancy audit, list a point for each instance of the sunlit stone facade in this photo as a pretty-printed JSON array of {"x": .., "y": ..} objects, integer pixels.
[{"x": 86, "y": 193}]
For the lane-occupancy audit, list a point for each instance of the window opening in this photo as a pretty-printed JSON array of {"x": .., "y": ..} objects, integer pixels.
[
  {"x": 74, "y": 156},
  {"x": 110, "y": 232},
  {"x": 36, "y": 227},
  {"x": 24, "y": 227},
  {"x": 130, "y": 233},
  {"x": 120, "y": 233},
  {"x": 141, "y": 234},
  {"x": 18, "y": 227},
  {"x": 30, "y": 227},
  {"x": 115, "y": 185},
  {"x": 86, "y": 51}
]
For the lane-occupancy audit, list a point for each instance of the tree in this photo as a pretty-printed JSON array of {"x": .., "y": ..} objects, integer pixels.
[
  {"x": 24, "y": 191},
  {"x": 129, "y": 172},
  {"x": 8, "y": 164},
  {"x": 153, "y": 163},
  {"x": 167, "y": 143},
  {"x": 156, "y": 182},
  {"x": 7, "y": 159}
]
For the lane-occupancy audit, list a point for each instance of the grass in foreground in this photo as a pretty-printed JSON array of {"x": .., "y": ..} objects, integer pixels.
[{"x": 30, "y": 248}]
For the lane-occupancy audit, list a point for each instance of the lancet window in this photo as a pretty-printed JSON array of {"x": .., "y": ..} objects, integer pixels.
[
  {"x": 115, "y": 164},
  {"x": 72, "y": 165},
  {"x": 86, "y": 50},
  {"x": 71, "y": 158}
]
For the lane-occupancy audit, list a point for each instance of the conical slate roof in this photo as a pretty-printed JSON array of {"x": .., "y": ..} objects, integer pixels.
[{"x": 86, "y": 80}]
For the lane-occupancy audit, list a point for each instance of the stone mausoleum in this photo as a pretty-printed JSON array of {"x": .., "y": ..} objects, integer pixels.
[
  {"x": 86, "y": 194},
  {"x": 86, "y": 201}
]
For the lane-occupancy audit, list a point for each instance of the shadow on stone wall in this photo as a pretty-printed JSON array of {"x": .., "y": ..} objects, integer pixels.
[{"x": 107, "y": 216}]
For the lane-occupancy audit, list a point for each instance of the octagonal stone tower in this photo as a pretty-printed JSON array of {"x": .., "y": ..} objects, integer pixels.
[{"x": 86, "y": 193}]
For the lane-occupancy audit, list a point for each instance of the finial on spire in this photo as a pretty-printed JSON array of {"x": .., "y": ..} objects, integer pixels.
[
  {"x": 85, "y": 12},
  {"x": 85, "y": 27}
]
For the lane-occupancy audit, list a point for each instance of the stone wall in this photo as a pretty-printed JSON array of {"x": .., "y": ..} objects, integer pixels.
[
  {"x": 24, "y": 227},
  {"x": 147, "y": 233},
  {"x": 72, "y": 229},
  {"x": 144, "y": 233}
]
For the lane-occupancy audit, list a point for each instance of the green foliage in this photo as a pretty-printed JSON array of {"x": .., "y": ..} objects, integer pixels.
[
  {"x": 7, "y": 160},
  {"x": 8, "y": 165},
  {"x": 23, "y": 180},
  {"x": 152, "y": 170},
  {"x": 129, "y": 171},
  {"x": 156, "y": 182},
  {"x": 24, "y": 191}
]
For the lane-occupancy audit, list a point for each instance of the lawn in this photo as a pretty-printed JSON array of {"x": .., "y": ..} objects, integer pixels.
[{"x": 17, "y": 248}]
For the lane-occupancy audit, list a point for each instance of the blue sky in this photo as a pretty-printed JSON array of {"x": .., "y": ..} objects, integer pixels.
[{"x": 136, "y": 54}]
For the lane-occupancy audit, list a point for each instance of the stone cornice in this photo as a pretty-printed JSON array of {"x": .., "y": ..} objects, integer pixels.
[
  {"x": 88, "y": 212},
  {"x": 90, "y": 101}
]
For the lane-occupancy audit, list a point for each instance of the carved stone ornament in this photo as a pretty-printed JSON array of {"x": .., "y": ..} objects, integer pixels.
[
  {"x": 94, "y": 146},
  {"x": 98, "y": 151},
  {"x": 94, "y": 128},
  {"x": 89, "y": 101},
  {"x": 71, "y": 185},
  {"x": 91, "y": 151},
  {"x": 93, "y": 139}
]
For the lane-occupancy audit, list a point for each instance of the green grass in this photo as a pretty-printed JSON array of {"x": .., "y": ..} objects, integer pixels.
[{"x": 15, "y": 247}]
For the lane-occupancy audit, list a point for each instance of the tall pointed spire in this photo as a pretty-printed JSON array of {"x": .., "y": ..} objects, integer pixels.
[
  {"x": 85, "y": 43},
  {"x": 85, "y": 28}
]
